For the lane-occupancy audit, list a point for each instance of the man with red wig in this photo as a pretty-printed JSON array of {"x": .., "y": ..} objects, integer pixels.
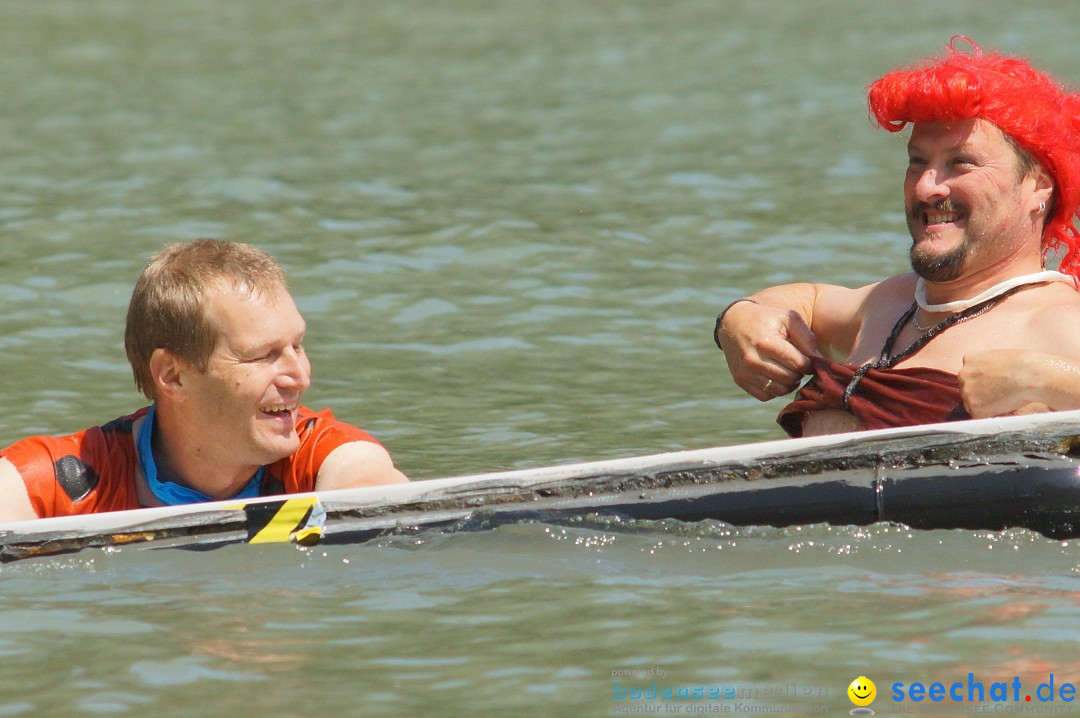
[{"x": 992, "y": 189}]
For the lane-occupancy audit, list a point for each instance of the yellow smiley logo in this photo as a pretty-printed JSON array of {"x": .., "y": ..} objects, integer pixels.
[{"x": 862, "y": 691}]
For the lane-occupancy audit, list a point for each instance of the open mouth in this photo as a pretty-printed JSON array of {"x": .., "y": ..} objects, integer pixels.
[
  {"x": 939, "y": 217},
  {"x": 942, "y": 213},
  {"x": 278, "y": 411}
]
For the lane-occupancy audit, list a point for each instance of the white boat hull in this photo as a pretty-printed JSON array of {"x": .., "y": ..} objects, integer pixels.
[{"x": 986, "y": 474}]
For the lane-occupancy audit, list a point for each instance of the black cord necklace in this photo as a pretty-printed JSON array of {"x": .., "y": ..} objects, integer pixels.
[{"x": 887, "y": 360}]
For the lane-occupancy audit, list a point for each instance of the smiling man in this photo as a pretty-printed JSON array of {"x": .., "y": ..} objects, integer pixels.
[
  {"x": 215, "y": 342},
  {"x": 992, "y": 187}
]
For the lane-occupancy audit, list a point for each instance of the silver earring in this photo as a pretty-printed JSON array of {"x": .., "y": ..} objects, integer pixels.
[{"x": 1042, "y": 207}]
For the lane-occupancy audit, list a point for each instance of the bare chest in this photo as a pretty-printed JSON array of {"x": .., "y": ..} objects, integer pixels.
[
  {"x": 829, "y": 421},
  {"x": 944, "y": 348}
]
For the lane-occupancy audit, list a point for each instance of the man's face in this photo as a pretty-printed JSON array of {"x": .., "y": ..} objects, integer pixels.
[
  {"x": 966, "y": 205},
  {"x": 248, "y": 395}
]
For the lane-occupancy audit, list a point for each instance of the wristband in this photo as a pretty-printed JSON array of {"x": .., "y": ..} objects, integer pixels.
[{"x": 720, "y": 319}]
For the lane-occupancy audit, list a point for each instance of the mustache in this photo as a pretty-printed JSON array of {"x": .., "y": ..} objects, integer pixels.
[{"x": 920, "y": 208}]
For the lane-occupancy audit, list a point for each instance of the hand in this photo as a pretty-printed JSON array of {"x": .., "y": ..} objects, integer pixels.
[
  {"x": 768, "y": 349},
  {"x": 1000, "y": 382}
]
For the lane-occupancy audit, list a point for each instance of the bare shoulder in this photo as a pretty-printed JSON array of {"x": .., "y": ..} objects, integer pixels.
[
  {"x": 1064, "y": 295},
  {"x": 1051, "y": 319},
  {"x": 14, "y": 499},
  {"x": 845, "y": 314},
  {"x": 357, "y": 464},
  {"x": 844, "y": 301},
  {"x": 1050, "y": 302}
]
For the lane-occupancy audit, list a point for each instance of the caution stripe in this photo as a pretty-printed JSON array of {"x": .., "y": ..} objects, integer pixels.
[{"x": 298, "y": 519}]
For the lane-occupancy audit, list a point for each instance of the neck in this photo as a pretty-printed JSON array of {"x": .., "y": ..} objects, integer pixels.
[
  {"x": 193, "y": 466},
  {"x": 971, "y": 284},
  {"x": 922, "y": 294}
]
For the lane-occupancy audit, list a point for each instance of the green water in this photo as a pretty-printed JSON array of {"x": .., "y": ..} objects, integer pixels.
[{"x": 509, "y": 225}]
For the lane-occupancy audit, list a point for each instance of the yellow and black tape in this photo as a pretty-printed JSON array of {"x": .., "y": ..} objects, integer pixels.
[{"x": 300, "y": 519}]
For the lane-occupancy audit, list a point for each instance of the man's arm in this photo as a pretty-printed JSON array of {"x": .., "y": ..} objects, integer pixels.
[
  {"x": 357, "y": 464},
  {"x": 14, "y": 499},
  {"x": 768, "y": 341},
  {"x": 1006, "y": 381},
  {"x": 1038, "y": 366}
]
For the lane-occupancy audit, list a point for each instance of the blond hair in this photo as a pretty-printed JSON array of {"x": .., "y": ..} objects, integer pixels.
[{"x": 168, "y": 305}]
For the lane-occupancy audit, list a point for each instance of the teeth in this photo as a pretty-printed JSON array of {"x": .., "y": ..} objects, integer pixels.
[
  {"x": 940, "y": 217},
  {"x": 274, "y": 408}
]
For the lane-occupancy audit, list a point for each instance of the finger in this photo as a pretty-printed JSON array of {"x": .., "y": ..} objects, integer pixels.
[
  {"x": 764, "y": 390},
  {"x": 765, "y": 377},
  {"x": 768, "y": 373},
  {"x": 757, "y": 384},
  {"x": 980, "y": 405},
  {"x": 972, "y": 404},
  {"x": 801, "y": 337},
  {"x": 759, "y": 394},
  {"x": 974, "y": 408},
  {"x": 782, "y": 361},
  {"x": 1035, "y": 407}
]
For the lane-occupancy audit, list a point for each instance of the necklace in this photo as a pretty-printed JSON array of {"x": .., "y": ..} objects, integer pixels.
[
  {"x": 887, "y": 359},
  {"x": 915, "y": 322},
  {"x": 994, "y": 291},
  {"x": 171, "y": 493}
]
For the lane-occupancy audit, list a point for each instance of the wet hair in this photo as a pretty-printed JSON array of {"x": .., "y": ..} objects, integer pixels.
[
  {"x": 168, "y": 307},
  {"x": 1039, "y": 117}
]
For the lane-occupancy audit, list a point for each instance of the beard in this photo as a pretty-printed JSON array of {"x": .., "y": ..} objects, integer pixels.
[
  {"x": 935, "y": 267},
  {"x": 938, "y": 268}
]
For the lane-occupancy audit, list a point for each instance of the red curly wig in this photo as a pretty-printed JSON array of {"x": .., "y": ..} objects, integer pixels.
[{"x": 1030, "y": 107}]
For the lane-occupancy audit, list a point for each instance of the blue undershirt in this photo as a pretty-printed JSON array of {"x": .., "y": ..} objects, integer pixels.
[{"x": 171, "y": 493}]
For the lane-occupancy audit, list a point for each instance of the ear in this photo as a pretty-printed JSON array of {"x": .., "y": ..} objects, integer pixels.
[
  {"x": 1044, "y": 185},
  {"x": 167, "y": 372}
]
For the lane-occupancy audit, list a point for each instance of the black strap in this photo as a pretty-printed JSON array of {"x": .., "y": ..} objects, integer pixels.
[{"x": 887, "y": 360}]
